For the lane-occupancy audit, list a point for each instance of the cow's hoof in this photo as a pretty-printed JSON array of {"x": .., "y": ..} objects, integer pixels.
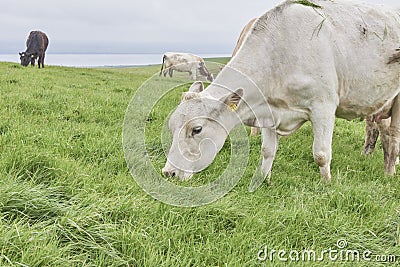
[
  {"x": 326, "y": 178},
  {"x": 367, "y": 151}
]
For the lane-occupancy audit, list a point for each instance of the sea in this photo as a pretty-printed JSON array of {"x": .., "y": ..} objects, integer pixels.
[{"x": 100, "y": 60}]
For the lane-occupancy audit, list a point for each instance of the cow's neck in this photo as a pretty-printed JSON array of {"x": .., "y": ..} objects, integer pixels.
[{"x": 252, "y": 110}]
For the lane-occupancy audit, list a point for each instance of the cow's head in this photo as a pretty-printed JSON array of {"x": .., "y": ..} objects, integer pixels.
[
  {"x": 199, "y": 128},
  {"x": 204, "y": 71},
  {"x": 26, "y": 58},
  {"x": 210, "y": 77}
]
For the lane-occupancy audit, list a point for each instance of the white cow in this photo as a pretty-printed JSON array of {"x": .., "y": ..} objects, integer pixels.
[
  {"x": 304, "y": 62},
  {"x": 185, "y": 62}
]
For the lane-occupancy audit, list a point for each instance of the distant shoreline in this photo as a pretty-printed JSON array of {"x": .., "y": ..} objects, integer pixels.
[{"x": 103, "y": 60}]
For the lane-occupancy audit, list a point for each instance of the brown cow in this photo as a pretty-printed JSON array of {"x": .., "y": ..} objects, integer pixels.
[{"x": 36, "y": 46}]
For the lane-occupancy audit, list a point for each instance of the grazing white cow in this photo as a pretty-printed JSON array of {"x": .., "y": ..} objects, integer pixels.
[
  {"x": 185, "y": 62},
  {"x": 305, "y": 62}
]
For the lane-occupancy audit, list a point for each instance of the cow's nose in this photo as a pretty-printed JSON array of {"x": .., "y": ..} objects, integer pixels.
[{"x": 168, "y": 173}]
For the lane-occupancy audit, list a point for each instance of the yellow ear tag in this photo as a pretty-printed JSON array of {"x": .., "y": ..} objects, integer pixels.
[{"x": 232, "y": 107}]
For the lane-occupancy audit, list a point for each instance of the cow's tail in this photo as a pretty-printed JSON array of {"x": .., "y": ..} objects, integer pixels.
[{"x": 162, "y": 65}]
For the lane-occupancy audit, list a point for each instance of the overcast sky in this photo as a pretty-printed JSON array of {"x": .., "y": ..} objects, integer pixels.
[{"x": 131, "y": 26}]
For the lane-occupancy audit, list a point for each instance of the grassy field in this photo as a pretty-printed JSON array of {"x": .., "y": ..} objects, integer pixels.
[{"x": 67, "y": 197}]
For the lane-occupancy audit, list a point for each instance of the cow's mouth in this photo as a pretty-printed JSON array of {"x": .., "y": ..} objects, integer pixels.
[{"x": 170, "y": 171}]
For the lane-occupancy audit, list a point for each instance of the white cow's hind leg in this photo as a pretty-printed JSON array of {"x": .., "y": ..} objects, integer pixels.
[
  {"x": 394, "y": 138},
  {"x": 384, "y": 129},
  {"x": 371, "y": 136},
  {"x": 268, "y": 151},
  {"x": 323, "y": 121}
]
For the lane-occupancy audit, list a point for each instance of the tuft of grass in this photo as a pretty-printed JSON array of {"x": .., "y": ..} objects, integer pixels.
[{"x": 307, "y": 3}]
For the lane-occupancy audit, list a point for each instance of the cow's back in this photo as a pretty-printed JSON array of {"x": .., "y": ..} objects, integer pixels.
[
  {"x": 182, "y": 57},
  {"x": 242, "y": 36},
  {"x": 37, "y": 41},
  {"x": 181, "y": 61},
  {"x": 344, "y": 44}
]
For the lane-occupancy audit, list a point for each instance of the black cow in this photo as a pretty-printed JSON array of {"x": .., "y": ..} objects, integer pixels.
[{"x": 36, "y": 46}]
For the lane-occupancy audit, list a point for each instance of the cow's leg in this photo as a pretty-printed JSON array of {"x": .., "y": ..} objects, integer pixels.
[
  {"x": 394, "y": 138},
  {"x": 371, "y": 136},
  {"x": 323, "y": 121},
  {"x": 254, "y": 131},
  {"x": 166, "y": 70},
  {"x": 43, "y": 60},
  {"x": 170, "y": 72},
  {"x": 39, "y": 60},
  {"x": 384, "y": 129},
  {"x": 268, "y": 151},
  {"x": 193, "y": 74}
]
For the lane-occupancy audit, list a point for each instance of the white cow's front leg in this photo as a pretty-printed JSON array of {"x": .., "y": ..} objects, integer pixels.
[
  {"x": 195, "y": 75},
  {"x": 268, "y": 151},
  {"x": 323, "y": 121}
]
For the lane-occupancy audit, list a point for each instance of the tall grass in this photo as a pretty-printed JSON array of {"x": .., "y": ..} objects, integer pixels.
[{"x": 67, "y": 198}]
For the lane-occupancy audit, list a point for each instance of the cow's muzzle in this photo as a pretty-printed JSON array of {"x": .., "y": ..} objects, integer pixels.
[
  {"x": 168, "y": 173},
  {"x": 171, "y": 171}
]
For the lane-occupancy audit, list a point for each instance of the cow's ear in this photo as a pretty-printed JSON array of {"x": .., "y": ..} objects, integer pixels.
[
  {"x": 20, "y": 53},
  {"x": 189, "y": 96},
  {"x": 232, "y": 100},
  {"x": 196, "y": 87}
]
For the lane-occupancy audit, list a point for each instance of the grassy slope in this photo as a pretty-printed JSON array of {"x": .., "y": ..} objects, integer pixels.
[{"x": 67, "y": 198}]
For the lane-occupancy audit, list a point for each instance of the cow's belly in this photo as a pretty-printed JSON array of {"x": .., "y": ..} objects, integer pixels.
[
  {"x": 185, "y": 67},
  {"x": 351, "y": 111},
  {"x": 370, "y": 99}
]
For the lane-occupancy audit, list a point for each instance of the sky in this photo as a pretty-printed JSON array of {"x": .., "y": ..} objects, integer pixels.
[{"x": 132, "y": 26}]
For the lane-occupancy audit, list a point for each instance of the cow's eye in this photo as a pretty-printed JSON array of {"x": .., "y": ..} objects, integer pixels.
[{"x": 196, "y": 130}]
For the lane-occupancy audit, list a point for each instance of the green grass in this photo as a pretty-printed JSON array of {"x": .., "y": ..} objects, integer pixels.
[
  {"x": 307, "y": 3},
  {"x": 67, "y": 198}
]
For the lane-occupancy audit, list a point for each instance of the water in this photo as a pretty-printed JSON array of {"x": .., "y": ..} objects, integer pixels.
[{"x": 100, "y": 60}]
